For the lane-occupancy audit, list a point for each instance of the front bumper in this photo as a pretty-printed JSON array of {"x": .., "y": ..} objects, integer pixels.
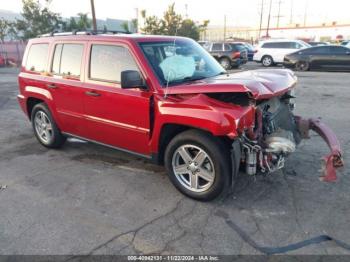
[
  {"x": 288, "y": 65},
  {"x": 334, "y": 159}
]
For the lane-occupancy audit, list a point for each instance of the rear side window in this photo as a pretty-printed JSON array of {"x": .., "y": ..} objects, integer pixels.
[
  {"x": 37, "y": 57},
  {"x": 67, "y": 59},
  {"x": 108, "y": 61},
  {"x": 217, "y": 47},
  {"x": 276, "y": 45},
  {"x": 268, "y": 45}
]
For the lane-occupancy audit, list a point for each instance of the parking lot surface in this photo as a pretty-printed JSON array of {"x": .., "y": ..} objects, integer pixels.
[{"x": 88, "y": 199}]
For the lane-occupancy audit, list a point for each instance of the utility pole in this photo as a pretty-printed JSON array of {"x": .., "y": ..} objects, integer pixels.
[
  {"x": 268, "y": 21},
  {"x": 305, "y": 13},
  {"x": 186, "y": 10},
  {"x": 291, "y": 11},
  {"x": 261, "y": 17},
  {"x": 94, "y": 25},
  {"x": 137, "y": 20},
  {"x": 279, "y": 13},
  {"x": 224, "y": 28}
]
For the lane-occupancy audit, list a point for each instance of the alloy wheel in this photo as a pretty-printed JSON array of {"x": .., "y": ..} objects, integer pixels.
[
  {"x": 193, "y": 168},
  {"x": 267, "y": 61},
  {"x": 43, "y": 127}
]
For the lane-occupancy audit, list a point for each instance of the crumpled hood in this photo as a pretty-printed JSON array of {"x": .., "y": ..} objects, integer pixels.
[{"x": 261, "y": 83}]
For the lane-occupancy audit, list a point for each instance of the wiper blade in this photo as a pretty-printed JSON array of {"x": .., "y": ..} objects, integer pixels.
[{"x": 187, "y": 79}]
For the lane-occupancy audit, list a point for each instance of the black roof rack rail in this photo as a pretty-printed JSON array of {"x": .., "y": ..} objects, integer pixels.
[{"x": 84, "y": 32}]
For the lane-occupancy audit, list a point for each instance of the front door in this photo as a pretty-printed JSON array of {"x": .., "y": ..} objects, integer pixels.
[{"x": 115, "y": 116}]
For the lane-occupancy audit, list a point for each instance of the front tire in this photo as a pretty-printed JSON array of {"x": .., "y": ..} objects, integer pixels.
[
  {"x": 198, "y": 165},
  {"x": 45, "y": 128},
  {"x": 302, "y": 66}
]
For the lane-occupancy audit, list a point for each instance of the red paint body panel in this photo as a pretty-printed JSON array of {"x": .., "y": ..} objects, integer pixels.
[
  {"x": 262, "y": 84},
  {"x": 200, "y": 111},
  {"x": 118, "y": 117}
]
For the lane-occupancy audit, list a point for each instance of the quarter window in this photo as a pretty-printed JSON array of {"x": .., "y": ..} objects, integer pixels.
[
  {"x": 67, "y": 59},
  {"x": 108, "y": 61},
  {"x": 37, "y": 57}
]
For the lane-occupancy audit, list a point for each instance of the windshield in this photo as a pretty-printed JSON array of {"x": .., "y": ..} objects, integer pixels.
[
  {"x": 304, "y": 44},
  {"x": 179, "y": 62}
]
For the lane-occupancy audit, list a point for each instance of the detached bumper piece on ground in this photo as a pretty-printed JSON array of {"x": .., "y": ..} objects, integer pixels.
[{"x": 334, "y": 159}]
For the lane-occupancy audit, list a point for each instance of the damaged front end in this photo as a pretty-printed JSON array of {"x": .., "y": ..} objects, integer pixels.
[{"x": 276, "y": 134}]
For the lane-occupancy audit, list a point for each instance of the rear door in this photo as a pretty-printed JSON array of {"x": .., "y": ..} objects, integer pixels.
[
  {"x": 117, "y": 117},
  {"x": 276, "y": 50},
  {"x": 66, "y": 85}
]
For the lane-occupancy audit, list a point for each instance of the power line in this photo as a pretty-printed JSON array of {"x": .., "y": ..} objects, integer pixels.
[
  {"x": 279, "y": 13},
  {"x": 291, "y": 11}
]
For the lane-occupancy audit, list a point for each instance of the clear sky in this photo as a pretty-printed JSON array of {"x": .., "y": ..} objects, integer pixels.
[{"x": 238, "y": 13}]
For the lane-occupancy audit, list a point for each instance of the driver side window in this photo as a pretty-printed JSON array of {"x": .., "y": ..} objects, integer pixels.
[{"x": 108, "y": 61}]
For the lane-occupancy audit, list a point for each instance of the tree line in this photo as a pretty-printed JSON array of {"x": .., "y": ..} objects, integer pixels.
[{"x": 37, "y": 19}]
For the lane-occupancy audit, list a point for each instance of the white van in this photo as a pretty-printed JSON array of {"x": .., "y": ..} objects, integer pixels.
[{"x": 273, "y": 51}]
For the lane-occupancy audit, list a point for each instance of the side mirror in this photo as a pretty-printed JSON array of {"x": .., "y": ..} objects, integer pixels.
[{"x": 132, "y": 79}]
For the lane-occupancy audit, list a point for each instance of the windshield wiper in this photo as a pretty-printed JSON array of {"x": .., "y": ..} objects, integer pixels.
[{"x": 187, "y": 79}]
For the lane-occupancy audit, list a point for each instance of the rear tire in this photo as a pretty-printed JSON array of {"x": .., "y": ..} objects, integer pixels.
[
  {"x": 267, "y": 61},
  {"x": 225, "y": 63},
  {"x": 45, "y": 128},
  {"x": 199, "y": 165}
]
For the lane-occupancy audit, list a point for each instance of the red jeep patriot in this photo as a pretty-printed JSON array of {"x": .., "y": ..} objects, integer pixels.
[{"x": 166, "y": 99}]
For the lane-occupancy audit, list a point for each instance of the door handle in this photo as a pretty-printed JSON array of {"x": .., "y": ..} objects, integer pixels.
[
  {"x": 51, "y": 86},
  {"x": 92, "y": 93}
]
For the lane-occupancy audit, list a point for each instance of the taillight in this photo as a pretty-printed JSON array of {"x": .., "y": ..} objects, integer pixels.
[{"x": 236, "y": 54}]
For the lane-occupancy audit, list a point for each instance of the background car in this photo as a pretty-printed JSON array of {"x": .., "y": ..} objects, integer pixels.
[
  {"x": 345, "y": 43},
  {"x": 250, "y": 49},
  {"x": 321, "y": 57},
  {"x": 272, "y": 52},
  {"x": 229, "y": 55},
  {"x": 2, "y": 61}
]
